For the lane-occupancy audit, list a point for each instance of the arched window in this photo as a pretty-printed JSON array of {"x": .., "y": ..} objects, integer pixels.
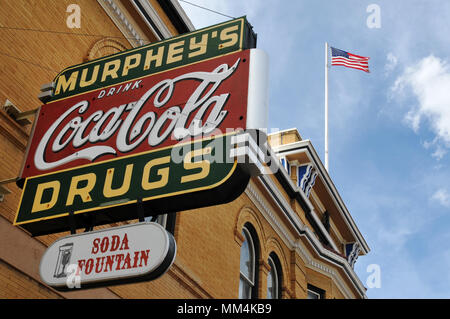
[
  {"x": 274, "y": 278},
  {"x": 248, "y": 272}
]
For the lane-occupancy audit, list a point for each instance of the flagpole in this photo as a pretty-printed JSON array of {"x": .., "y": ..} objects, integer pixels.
[{"x": 326, "y": 106}]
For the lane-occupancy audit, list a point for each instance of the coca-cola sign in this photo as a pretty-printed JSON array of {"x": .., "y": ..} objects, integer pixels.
[
  {"x": 157, "y": 138},
  {"x": 152, "y": 112}
]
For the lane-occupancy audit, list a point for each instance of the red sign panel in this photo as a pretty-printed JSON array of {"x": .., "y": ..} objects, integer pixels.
[{"x": 151, "y": 112}]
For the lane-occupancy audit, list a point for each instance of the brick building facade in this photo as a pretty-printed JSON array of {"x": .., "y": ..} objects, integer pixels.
[{"x": 288, "y": 235}]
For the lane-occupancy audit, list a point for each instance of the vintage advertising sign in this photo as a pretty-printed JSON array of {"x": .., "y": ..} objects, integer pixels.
[
  {"x": 131, "y": 253},
  {"x": 165, "y": 175},
  {"x": 133, "y": 117},
  {"x": 203, "y": 44},
  {"x": 164, "y": 138}
]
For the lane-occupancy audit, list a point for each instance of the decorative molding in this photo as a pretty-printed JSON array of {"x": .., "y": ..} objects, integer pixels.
[
  {"x": 13, "y": 131},
  {"x": 162, "y": 31},
  {"x": 293, "y": 244},
  {"x": 352, "y": 251},
  {"x": 286, "y": 165},
  {"x": 239, "y": 238},
  {"x": 317, "y": 201},
  {"x": 266, "y": 211},
  {"x": 121, "y": 22},
  {"x": 314, "y": 198},
  {"x": 306, "y": 177},
  {"x": 294, "y": 188},
  {"x": 180, "y": 273},
  {"x": 305, "y": 146},
  {"x": 295, "y": 163},
  {"x": 304, "y": 231},
  {"x": 264, "y": 266},
  {"x": 104, "y": 47}
]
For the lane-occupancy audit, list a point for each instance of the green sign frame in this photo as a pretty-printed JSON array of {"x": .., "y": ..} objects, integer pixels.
[
  {"x": 179, "y": 177},
  {"x": 217, "y": 40}
]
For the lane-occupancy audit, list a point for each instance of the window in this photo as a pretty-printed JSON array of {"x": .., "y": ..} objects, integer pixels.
[
  {"x": 286, "y": 165},
  {"x": 315, "y": 293},
  {"x": 248, "y": 272},
  {"x": 273, "y": 279}
]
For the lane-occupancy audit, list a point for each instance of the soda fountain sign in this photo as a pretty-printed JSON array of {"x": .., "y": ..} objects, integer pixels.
[{"x": 131, "y": 253}]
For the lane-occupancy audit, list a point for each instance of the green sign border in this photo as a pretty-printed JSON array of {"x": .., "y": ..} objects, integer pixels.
[
  {"x": 219, "y": 173},
  {"x": 245, "y": 41}
]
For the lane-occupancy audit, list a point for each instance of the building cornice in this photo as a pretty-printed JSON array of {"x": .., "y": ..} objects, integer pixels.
[
  {"x": 303, "y": 231},
  {"x": 152, "y": 19},
  {"x": 177, "y": 15},
  {"x": 304, "y": 201},
  {"x": 289, "y": 240},
  {"x": 308, "y": 148},
  {"x": 122, "y": 23}
]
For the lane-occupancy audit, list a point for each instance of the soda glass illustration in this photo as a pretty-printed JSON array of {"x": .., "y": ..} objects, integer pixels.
[{"x": 65, "y": 252}]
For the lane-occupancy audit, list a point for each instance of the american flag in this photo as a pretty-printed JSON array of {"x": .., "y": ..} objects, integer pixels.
[{"x": 340, "y": 57}]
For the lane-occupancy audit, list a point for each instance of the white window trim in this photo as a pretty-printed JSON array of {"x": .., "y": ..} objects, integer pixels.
[
  {"x": 314, "y": 293},
  {"x": 251, "y": 282},
  {"x": 273, "y": 266}
]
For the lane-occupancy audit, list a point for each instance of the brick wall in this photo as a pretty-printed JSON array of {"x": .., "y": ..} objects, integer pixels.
[
  {"x": 14, "y": 284},
  {"x": 208, "y": 239}
]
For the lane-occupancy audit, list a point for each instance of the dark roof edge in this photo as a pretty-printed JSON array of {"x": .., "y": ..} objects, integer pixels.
[{"x": 176, "y": 15}]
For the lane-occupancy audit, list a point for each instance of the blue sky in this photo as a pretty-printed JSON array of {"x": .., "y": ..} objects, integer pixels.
[{"x": 389, "y": 130}]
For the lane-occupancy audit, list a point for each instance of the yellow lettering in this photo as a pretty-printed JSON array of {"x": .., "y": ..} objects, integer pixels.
[
  {"x": 128, "y": 65},
  {"x": 110, "y": 69},
  {"x": 82, "y": 192},
  {"x": 204, "y": 165},
  {"x": 64, "y": 84},
  {"x": 229, "y": 36},
  {"x": 199, "y": 47},
  {"x": 37, "y": 204},
  {"x": 83, "y": 81},
  {"x": 175, "y": 52},
  {"x": 157, "y": 58},
  {"x": 107, "y": 189},
  {"x": 163, "y": 172}
]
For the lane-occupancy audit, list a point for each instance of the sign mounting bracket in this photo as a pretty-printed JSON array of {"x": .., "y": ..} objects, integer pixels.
[
  {"x": 73, "y": 229},
  {"x": 90, "y": 222},
  {"x": 140, "y": 210}
]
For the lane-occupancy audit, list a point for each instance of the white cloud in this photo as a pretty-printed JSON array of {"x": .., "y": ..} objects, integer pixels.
[
  {"x": 442, "y": 196},
  {"x": 412, "y": 118},
  {"x": 439, "y": 153},
  {"x": 429, "y": 81},
  {"x": 391, "y": 63}
]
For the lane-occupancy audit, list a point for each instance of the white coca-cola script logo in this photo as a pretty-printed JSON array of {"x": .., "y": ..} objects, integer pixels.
[{"x": 136, "y": 127}]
